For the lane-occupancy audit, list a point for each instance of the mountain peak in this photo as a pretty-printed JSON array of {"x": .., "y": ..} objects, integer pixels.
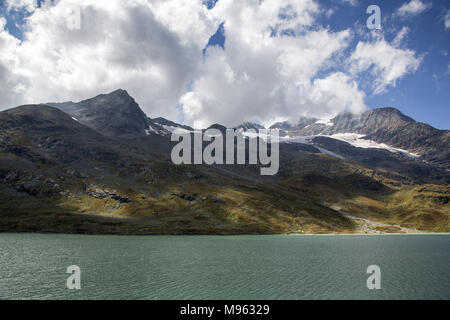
[
  {"x": 384, "y": 118},
  {"x": 120, "y": 92},
  {"x": 250, "y": 126},
  {"x": 302, "y": 123},
  {"x": 390, "y": 112},
  {"x": 217, "y": 126},
  {"x": 113, "y": 114},
  {"x": 116, "y": 95}
]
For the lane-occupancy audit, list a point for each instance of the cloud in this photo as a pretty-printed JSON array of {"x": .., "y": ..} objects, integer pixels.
[
  {"x": 385, "y": 63},
  {"x": 351, "y": 2},
  {"x": 12, "y": 80},
  {"x": 412, "y": 8},
  {"x": 400, "y": 36},
  {"x": 447, "y": 20},
  {"x": 270, "y": 67},
  {"x": 18, "y": 5},
  {"x": 148, "y": 49},
  {"x": 278, "y": 62}
]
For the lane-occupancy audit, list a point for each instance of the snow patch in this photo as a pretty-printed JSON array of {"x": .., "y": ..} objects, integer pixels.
[
  {"x": 352, "y": 138},
  {"x": 150, "y": 130},
  {"x": 177, "y": 129},
  {"x": 356, "y": 140},
  {"x": 261, "y": 135}
]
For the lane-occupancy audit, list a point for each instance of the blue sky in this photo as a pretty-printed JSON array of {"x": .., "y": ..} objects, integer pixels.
[
  {"x": 15, "y": 19},
  {"x": 423, "y": 94}
]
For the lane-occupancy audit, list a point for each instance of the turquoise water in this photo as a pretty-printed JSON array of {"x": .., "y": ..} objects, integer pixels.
[{"x": 33, "y": 266}]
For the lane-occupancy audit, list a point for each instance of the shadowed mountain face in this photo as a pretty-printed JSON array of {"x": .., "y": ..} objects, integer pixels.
[
  {"x": 419, "y": 171},
  {"x": 42, "y": 133},
  {"x": 115, "y": 114},
  {"x": 250, "y": 126},
  {"x": 102, "y": 166}
]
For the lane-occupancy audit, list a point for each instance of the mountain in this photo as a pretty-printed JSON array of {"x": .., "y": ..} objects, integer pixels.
[
  {"x": 115, "y": 114},
  {"x": 384, "y": 126},
  {"x": 102, "y": 166},
  {"x": 219, "y": 127},
  {"x": 250, "y": 126},
  {"x": 41, "y": 133},
  {"x": 419, "y": 171},
  {"x": 301, "y": 124},
  {"x": 170, "y": 125}
]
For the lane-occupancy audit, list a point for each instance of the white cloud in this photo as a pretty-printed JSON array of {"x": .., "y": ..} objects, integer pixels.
[
  {"x": 278, "y": 62},
  {"x": 12, "y": 81},
  {"x": 412, "y": 8},
  {"x": 265, "y": 75},
  {"x": 386, "y": 63},
  {"x": 120, "y": 45},
  {"x": 15, "y": 5},
  {"x": 400, "y": 36},
  {"x": 189, "y": 19},
  {"x": 329, "y": 12},
  {"x": 351, "y": 2},
  {"x": 447, "y": 20}
]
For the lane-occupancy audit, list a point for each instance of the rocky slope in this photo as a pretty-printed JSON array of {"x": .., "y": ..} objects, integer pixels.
[
  {"x": 384, "y": 125},
  {"x": 102, "y": 166},
  {"x": 115, "y": 114}
]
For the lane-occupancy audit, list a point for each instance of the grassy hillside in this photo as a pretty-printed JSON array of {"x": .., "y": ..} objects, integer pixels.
[{"x": 166, "y": 199}]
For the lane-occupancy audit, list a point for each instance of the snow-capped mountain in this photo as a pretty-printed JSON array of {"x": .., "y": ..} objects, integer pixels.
[
  {"x": 249, "y": 125},
  {"x": 170, "y": 126},
  {"x": 118, "y": 115},
  {"x": 70, "y": 167},
  {"x": 385, "y": 128}
]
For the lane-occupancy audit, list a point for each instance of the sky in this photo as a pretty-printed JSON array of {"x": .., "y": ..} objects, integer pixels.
[{"x": 226, "y": 61}]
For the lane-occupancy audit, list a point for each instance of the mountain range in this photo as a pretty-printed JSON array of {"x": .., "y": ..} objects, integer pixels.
[{"x": 103, "y": 166}]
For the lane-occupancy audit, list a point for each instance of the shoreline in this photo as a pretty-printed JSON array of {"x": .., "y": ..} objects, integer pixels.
[{"x": 232, "y": 235}]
